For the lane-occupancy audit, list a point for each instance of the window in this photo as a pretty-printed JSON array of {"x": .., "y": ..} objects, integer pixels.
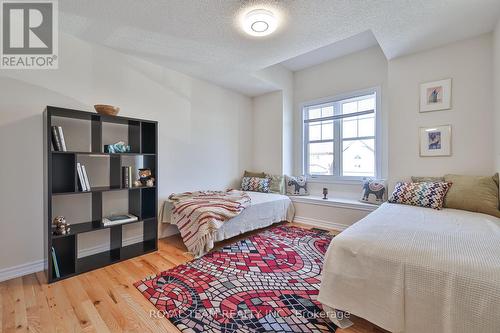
[{"x": 340, "y": 137}]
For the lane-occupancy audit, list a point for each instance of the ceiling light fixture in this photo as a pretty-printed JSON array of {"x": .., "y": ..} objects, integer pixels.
[{"x": 259, "y": 22}]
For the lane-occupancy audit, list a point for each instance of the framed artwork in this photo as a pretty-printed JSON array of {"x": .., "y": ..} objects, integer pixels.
[
  {"x": 435, "y": 95},
  {"x": 435, "y": 141}
]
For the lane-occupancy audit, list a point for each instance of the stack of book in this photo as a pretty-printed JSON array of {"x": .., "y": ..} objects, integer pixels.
[
  {"x": 118, "y": 219},
  {"x": 58, "y": 142},
  {"x": 126, "y": 176},
  {"x": 83, "y": 178}
]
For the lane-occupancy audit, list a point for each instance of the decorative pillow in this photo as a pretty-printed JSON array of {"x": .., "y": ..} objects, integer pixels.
[
  {"x": 473, "y": 193},
  {"x": 296, "y": 185},
  {"x": 254, "y": 174},
  {"x": 374, "y": 191},
  {"x": 427, "y": 179},
  {"x": 429, "y": 195},
  {"x": 276, "y": 184},
  {"x": 255, "y": 184}
]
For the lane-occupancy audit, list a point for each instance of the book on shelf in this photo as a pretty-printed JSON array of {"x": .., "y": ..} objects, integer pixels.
[
  {"x": 126, "y": 176},
  {"x": 61, "y": 138},
  {"x": 86, "y": 178},
  {"x": 56, "y": 143},
  {"x": 118, "y": 219},
  {"x": 54, "y": 262},
  {"x": 81, "y": 180}
]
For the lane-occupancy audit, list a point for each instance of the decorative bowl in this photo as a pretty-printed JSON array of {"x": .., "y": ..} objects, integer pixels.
[{"x": 108, "y": 110}]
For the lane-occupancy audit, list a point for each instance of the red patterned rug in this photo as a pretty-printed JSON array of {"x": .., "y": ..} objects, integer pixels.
[{"x": 265, "y": 283}]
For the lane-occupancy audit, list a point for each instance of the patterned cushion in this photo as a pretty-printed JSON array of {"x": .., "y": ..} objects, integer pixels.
[
  {"x": 296, "y": 185},
  {"x": 374, "y": 191},
  {"x": 255, "y": 184},
  {"x": 429, "y": 195}
]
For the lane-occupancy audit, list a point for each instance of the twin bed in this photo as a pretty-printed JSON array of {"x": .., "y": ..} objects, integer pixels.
[
  {"x": 412, "y": 269},
  {"x": 265, "y": 209}
]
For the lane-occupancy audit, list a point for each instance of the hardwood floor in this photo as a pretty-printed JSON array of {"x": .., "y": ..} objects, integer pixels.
[{"x": 103, "y": 300}]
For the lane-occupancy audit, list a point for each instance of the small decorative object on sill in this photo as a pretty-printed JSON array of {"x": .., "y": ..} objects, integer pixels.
[
  {"x": 145, "y": 177},
  {"x": 296, "y": 185},
  {"x": 61, "y": 226},
  {"x": 107, "y": 110},
  {"x": 118, "y": 147},
  {"x": 325, "y": 193}
]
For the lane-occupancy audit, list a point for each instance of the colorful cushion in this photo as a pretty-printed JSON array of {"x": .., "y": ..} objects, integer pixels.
[
  {"x": 296, "y": 185},
  {"x": 374, "y": 191},
  {"x": 276, "y": 184},
  {"x": 254, "y": 174},
  {"x": 255, "y": 184},
  {"x": 426, "y": 179},
  {"x": 473, "y": 193},
  {"x": 429, "y": 195}
]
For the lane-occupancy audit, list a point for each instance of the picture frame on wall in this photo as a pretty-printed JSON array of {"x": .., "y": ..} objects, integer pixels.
[
  {"x": 435, "y": 95},
  {"x": 435, "y": 141}
]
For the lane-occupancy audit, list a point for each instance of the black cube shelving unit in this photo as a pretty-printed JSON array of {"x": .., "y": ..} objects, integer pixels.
[{"x": 61, "y": 179}]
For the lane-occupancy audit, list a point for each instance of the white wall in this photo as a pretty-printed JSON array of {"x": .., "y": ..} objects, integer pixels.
[
  {"x": 360, "y": 70},
  {"x": 496, "y": 91},
  {"x": 205, "y": 132},
  {"x": 281, "y": 78},
  {"x": 469, "y": 64},
  {"x": 268, "y": 127}
]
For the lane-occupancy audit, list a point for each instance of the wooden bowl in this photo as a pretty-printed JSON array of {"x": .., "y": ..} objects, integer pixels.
[{"x": 108, "y": 110}]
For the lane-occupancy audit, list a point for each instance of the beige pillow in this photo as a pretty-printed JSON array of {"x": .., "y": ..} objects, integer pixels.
[
  {"x": 277, "y": 183},
  {"x": 254, "y": 174},
  {"x": 473, "y": 193},
  {"x": 427, "y": 179}
]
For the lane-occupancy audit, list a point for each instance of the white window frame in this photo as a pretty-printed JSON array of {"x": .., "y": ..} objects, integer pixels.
[{"x": 338, "y": 137}]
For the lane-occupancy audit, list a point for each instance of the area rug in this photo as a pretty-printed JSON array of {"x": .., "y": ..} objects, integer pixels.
[{"x": 268, "y": 282}]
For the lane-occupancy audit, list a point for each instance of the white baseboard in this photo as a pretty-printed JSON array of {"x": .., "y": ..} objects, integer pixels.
[
  {"x": 38, "y": 265},
  {"x": 21, "y": 270},
  {"x": 320, "y": 223}
]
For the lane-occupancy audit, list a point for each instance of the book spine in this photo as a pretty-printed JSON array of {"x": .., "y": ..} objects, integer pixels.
[
  {"x": 125, "y": 177},
  {"x": 61, "y": 138},
  {"x": 54, "y": 262},
  {"x": 131, "y": 181},
  {"x": 55, "y": 139},
  {"x": 86, "y": 178},
  {"x": 80, "y": 177}
]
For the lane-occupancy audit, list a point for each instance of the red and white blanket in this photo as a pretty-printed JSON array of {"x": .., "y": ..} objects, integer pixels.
[{"x": 199, "y": 214}]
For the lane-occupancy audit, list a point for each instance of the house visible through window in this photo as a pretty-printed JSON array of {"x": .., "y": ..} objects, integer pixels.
[{"x": 340, "y": 138}]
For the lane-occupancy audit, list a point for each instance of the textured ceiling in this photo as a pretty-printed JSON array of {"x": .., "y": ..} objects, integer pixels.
[
  {"x": 335, "y": 50},
  {"x": 203, "y": 38}
]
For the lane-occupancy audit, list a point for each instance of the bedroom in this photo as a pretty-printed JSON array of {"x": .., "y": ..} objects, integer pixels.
[{"x": 220, "y": 102}]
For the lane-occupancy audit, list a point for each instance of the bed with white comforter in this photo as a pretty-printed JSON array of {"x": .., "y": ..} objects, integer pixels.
[
  {"x": 411, "y": 269},
  {"x": 265, "y": 209}
]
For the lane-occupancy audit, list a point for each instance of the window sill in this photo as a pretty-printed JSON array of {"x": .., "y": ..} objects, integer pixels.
[
  {"x": 334, "y": 202},
  {"x": 358, "y": 182}
]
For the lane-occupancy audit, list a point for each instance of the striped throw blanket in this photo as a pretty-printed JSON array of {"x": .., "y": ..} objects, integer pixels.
[{"x": 198, "y": 215}]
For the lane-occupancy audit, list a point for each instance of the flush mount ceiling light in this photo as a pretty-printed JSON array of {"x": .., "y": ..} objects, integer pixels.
[{"x": 259, "y": 22}]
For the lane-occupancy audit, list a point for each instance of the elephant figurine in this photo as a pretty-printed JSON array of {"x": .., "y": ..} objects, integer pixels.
[
  {"x": 298, "y": 183},
  {"x": 371, "y": 186}
]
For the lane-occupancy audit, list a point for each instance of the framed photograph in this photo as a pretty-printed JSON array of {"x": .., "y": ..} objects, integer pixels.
[
  {"x": 435, "y": 95},
  {"x": 435, "y": 141}
]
